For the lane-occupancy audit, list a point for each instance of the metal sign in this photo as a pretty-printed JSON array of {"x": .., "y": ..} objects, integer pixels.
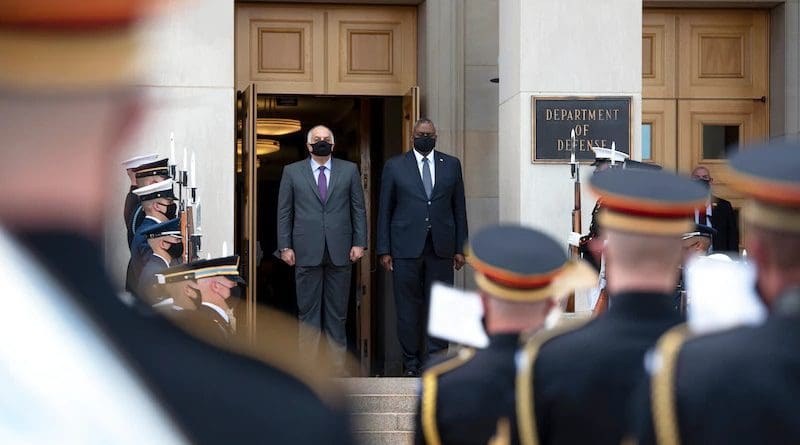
[{"x": 597, "y": 121}]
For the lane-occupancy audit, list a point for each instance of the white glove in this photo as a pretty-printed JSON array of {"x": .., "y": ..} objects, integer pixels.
[{"x": 574, "y": 239}]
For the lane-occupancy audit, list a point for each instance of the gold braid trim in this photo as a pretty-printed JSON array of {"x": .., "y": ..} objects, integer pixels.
[
  {"x": 430, "y": 430},
  {"x": 663, "y": 388},
  {"x": 526, "y": 417}
]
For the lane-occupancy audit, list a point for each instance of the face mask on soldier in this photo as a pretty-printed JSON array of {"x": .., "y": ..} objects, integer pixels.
[
  {"x": 172, "y": 211},
  {"x": 424, "y": 144},
  {"x": 175, "y": 250}
]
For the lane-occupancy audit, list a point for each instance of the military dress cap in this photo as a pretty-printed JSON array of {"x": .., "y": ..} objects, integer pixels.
[
  {"x": 161, "y": 189},
  {"x": 630, "y": 164},
  {"x": 157, "y": 168},
  {"x": 516, "y": 263},
  {"x": 93, "y": 44},
  {"x": 138, "y": 161},
  {"x": 602, "y": 154},
  {"x": 166, "y": 228},
  {"x": 770, "y": 176},
  {"x": 227, "y": 267},
  {"x": 647, "y": 201},
  {"x": 701, "y": 230}
]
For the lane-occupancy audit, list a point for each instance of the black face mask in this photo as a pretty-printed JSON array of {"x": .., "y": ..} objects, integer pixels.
[
  {"x": 236, "y": 292},
  {"x": 172, "y": 211},
  {"x": 706, "y": 183},
  {"x": 321, "y": 148},
  {"x": 175, "y": 250},
  {"x": 424, "y": 144}
]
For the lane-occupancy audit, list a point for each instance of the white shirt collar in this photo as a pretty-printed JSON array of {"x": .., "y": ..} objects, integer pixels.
[
  {"x": 162, "y": 259},
  {"x": 315, "y": 166},
  {"x": 219, "y": 310},
  {"x": 419, "y": 156}
]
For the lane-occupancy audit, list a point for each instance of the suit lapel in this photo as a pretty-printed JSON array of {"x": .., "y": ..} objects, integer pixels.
[
  {"x": 309, "y": 175},
  {"x": 439, "y": 165},
  {"x": 334, "y": 178},
  {"x": 411, "y": 164}
]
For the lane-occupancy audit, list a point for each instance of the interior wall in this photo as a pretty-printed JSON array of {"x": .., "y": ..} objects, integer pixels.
[{"x": 189, "y": 85}]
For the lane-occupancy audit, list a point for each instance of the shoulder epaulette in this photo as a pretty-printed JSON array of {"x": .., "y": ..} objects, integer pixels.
[
  {"x": 430, "y": 430},
  {"x": 662, "y": 386},
  {"x": 526, "y": 417}
]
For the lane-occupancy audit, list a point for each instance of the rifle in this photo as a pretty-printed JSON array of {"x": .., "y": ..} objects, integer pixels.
[
  {"x": 575, "y": 171},
  {"x": 188, "y": 208}
]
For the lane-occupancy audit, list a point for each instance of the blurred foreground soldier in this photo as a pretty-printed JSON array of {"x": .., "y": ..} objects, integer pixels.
[
  {"x": 212, "y": 281},
  {"x": 519, "y": 272},
  {"x": 131, "y": 200},
  {"x": 73, "y": 119},
  {"x": 157, "y": 204},
  {"x": 740, "y": 385},
  {"x": 573, "y": 386},
  {"x": 166, "y": 248}
]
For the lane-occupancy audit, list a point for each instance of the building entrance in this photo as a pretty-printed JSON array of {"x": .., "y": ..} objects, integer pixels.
[
  {"x": 705, "y": 88},
  {"x": 367, "y": 130}
]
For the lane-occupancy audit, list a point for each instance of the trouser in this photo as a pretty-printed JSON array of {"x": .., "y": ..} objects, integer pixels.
[
  {"x": 412, "y": 279},
  {"x": 322, "y": 295}
]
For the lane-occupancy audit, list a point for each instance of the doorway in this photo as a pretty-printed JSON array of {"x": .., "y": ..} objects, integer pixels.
[
  {"x": 705, "y": 88},
  {"x": 368, "y": 130}
]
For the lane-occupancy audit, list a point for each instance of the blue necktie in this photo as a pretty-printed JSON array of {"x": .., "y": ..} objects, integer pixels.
[{"x": 427, "y": 182}]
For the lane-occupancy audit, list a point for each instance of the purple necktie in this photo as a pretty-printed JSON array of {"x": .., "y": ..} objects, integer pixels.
[{"x": 322, "y": 184}]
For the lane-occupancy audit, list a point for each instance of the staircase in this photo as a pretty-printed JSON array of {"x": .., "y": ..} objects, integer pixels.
[{"x": 383, "y": 409}]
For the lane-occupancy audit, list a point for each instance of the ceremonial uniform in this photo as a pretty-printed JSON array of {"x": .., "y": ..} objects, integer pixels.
[
  {"x": 738, "y": 386},
  {"x": 131, "y": 199},
  {"x": 573, "y": 385},
  {"x": 140, "y": 250},
  {"x": 464, "y": 399}
]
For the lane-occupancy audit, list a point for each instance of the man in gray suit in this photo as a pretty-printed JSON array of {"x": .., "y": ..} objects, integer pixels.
[{"x": 322, "y": 230}]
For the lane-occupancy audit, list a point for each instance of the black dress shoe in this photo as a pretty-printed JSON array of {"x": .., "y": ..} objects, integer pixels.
[{"x": 413, "y": 372}]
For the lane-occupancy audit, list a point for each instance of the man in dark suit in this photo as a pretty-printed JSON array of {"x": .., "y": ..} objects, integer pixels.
[
  {"x": 739, "y": 386},
  {"x": 574, "y": 386},
  {"x": 422, "y": 227},
  {"x": 718, "y": 213},
  {"x": 322, "y": 230},
  {"x": 77, "y": 120},
  {"x": 465, "y": 397}
]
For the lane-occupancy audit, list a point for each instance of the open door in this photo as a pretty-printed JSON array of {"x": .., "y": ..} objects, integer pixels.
[
  {"x": 247, "y": 199},
  {"x": 410, "y": 115}
]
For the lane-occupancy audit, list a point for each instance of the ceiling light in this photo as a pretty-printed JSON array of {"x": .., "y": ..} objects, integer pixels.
[{"x": 277, "y": 127}]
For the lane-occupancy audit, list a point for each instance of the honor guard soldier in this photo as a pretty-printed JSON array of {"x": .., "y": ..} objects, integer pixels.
[
  {"x": 573, "y": 385},
  {"x": 213, "y": 281},
  {"x": 131, "y": 200},
  {"x": 740, "y": 386},
  {"x": 146, "y": 175},
  {"x": 166, "y": 248},
  {"x": 77, "y": 118},
  {"x": 157, "y": 203},
  {"x": 519, "y": 272}
]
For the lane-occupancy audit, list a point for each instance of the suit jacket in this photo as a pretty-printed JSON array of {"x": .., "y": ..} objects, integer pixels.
[
  {"x": 406, "y": 214},
  {"x": 723, "y": 219},
  {"x": 307, "y": 225},
  {"x": 583, "y": 380},
  {"x": 738, "y": 386},
  {"x": 472, "y": 397},
  {"x": 191, "y": 378}
]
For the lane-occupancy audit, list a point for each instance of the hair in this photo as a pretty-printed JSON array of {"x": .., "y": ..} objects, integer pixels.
[
  {"x": 782, "y": 248},
  {"x": 308, "y": 135},
  {"x": 643, "y": 253},
  {"x": 703, "y": 167},
  {"x": 423, "y": 120}
]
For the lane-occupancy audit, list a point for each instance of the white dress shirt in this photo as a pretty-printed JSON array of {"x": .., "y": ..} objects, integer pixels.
[
  {"x": 431, "y": 164},
  {"x": 708, "y": 215},
  {"x": 315, "y": 168}
]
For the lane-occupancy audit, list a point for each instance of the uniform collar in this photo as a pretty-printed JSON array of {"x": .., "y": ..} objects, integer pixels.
[
  {"x": 643, "y": 305},
  {"x": 788, "y": 304},
  {"x": 218, "y": 310},
  {"x": 504, "y": 340}
]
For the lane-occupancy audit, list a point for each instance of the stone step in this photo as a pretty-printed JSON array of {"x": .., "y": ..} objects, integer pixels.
[
  {"x": 385, "y": 438},
  {"x": 379, "y": 385},
  {"x": 382, "y": 403},
  {"x": 403, "y": 422}
]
